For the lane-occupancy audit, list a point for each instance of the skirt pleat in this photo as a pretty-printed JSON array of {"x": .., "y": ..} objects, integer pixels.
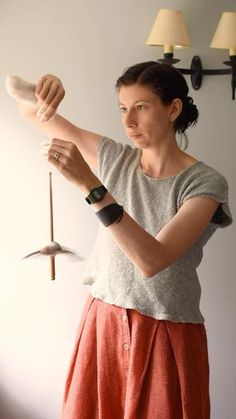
[{"x": 127, "y": 365}]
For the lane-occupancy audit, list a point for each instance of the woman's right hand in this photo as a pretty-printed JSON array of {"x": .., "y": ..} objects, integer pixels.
[{"x": 49, "y": 93}]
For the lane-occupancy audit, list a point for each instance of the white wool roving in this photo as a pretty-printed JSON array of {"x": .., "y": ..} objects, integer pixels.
[{"x": 21, "y": 90}]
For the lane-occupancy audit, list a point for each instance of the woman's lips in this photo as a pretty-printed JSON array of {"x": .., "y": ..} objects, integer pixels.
[{"x": 134, "y": 135}]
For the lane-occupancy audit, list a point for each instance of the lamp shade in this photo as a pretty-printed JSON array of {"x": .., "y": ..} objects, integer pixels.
[
  {"x": 169, "y": 29},
  {"x": 225, "y": 34}
]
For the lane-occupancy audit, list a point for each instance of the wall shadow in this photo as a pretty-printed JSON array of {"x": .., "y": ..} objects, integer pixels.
[{"x": 12, "y": 409}]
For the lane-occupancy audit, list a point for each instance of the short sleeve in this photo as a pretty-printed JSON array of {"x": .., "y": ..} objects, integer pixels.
[
  {"x": 108, "y": 152},
  {"x": 112, "y": 156},
  {"x": 207, "y": 182}
]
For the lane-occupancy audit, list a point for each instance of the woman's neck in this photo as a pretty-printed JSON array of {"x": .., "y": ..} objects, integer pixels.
[{"x": 164, "y": 160}]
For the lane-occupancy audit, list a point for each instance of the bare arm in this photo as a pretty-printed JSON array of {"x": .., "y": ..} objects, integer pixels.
[
  {"x": 85, "y": 141},
  {"x": 153, "y": 254},
  {"x": 38, "y": 104},
  {"x": 149, "y": 254}
]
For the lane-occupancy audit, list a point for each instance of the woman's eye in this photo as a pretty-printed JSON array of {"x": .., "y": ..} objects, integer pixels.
[
  {"x": 141, "y": 107},
  {"x": 123, "y": 110}
]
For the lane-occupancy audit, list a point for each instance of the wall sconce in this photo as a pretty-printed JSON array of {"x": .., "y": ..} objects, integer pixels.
[{"x": 169, "y": 30}]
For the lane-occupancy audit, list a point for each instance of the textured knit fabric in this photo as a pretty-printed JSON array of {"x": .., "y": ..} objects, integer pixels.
[
  {"x": 129, "y": 366},
  {"x": 174, "y": 293}
]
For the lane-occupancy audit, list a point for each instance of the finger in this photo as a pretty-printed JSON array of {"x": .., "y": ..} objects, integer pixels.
[
  {"x": 39, "y": 86},
  {"x": 58, "y": 152},
  {"x": 57, "y": 163},
  {"x": 56, "y": 142},
  {"x": 43, "y": 86},
  {"x": 43, "y": 89},
  {"x": 46, "y": 112},
  {"x": 69, "y": 147},
  {"x": 54, "y": 156},
  {"x": 60, "y": 93},
  {"x": 48, "y": 91},
  {"x": 43, "y": 79},
  {"x": 48, "y": 150},
  {"x": 48, "y": 94},
  {"x": 60, "y": 164}
]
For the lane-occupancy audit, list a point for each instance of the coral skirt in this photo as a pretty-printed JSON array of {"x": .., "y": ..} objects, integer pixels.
[{"x": 130, "y": 366}]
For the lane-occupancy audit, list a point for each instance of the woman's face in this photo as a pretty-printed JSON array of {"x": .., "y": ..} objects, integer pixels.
[{"x": 145, "y": 118}]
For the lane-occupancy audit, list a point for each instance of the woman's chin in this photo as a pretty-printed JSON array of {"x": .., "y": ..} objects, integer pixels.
[
  {"x": 136, "y": 139},
  {"x": 139, "y": 141}
]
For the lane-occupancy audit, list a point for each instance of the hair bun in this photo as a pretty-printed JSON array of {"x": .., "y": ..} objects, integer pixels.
[
  {"x": 188, "y": 100},
  {"x": 189, "y": 114}
]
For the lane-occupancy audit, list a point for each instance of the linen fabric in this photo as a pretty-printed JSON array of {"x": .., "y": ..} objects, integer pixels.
[
  {"x": 130, "y": 366},
  {"x": 173, "y": 294}
]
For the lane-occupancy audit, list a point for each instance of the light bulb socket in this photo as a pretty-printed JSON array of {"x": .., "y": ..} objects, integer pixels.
[{"x": 168, "y": 59}]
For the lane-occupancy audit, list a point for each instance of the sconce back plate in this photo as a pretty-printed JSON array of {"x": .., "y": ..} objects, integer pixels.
[{"x": 196, "y": 73}]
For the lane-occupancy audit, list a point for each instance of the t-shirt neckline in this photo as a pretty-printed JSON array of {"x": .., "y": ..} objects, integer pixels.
[{"x": 168, "y": 177}]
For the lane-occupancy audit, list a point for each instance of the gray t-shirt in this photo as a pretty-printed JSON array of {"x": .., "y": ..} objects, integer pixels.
[{"x": 174, "y": 293}]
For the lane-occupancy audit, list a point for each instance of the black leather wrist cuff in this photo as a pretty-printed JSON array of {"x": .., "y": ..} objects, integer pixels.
[{"x": 110, "y": 214}]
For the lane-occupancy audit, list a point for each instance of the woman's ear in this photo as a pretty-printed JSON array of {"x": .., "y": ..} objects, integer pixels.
[{"x": 175, "y": 109}]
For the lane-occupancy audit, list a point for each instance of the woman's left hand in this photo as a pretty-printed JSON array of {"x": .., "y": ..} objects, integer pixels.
[{"x": 66, "y": 157}]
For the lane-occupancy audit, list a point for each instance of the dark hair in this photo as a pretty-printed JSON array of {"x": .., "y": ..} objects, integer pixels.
[{"x": 168, "y": 83}]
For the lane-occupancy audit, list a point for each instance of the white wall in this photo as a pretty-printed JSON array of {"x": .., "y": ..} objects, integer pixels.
[{"x": 87, "y": 43}]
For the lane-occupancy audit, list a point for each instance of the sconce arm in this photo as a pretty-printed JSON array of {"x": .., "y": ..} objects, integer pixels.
[{"x": 196, "y": 72}]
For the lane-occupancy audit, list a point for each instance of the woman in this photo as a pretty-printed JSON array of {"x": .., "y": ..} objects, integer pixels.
[{"x": 141, "y": 350}]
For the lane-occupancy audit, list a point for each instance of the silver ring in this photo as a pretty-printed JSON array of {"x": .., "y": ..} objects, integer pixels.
[{"x": 57, "y": 156}]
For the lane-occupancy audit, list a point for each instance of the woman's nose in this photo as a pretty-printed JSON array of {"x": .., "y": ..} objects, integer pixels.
[{"x": 130, "y": 120}]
